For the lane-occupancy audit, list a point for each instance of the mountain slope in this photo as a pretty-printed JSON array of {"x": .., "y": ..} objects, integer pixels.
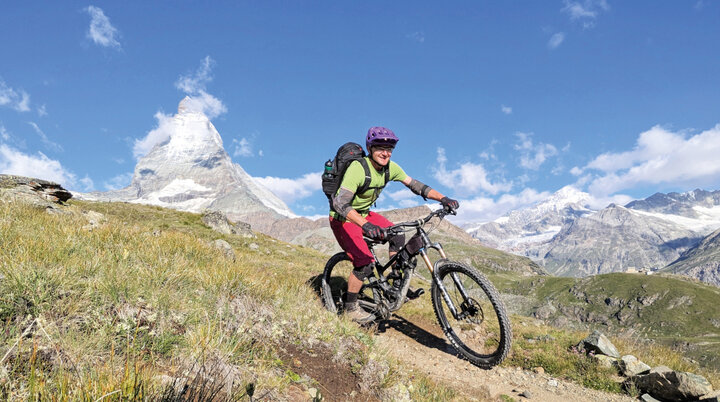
[
  {"x": 613, "y": 240},
  {"x": 701, "y": 262},
  {"x": 459, "y": 244},
  {"x": 665, "y": 308},
  {"x": 191, "y": 171},
  {"x": 521, "y": 231}
]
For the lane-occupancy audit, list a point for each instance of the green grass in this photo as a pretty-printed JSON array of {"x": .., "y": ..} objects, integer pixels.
[{"x": 144, "y": 295}]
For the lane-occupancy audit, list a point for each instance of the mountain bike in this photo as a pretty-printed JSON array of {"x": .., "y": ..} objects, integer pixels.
[{"x": 466, "y": 304}]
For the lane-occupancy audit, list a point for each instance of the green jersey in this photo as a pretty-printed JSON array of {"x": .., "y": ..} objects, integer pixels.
[{"x": 355, "y": 177}]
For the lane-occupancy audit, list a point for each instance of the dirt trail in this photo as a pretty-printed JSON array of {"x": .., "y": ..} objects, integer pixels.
[{"x": 424, "y": 349}]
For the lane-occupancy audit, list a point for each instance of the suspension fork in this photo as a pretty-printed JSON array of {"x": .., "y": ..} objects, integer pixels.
[{"x": 433, "y": 271}]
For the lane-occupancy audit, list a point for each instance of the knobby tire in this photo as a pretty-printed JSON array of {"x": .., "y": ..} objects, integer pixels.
[
  {"x": 333, "y": 285},
  {"x": 484, "y": 336}
]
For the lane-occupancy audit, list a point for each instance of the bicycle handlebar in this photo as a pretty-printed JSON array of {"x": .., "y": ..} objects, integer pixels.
[{"x": 440, "y": 213}]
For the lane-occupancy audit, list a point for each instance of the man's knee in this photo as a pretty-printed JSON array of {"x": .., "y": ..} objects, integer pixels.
[{"x": 363, "y": 271}]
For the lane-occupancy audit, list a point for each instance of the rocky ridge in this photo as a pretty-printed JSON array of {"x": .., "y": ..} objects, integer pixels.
[
  {"x": 38, "y": 192},
  {"x": 615, "y": 239},
  {"x": 701, "y": 262}
]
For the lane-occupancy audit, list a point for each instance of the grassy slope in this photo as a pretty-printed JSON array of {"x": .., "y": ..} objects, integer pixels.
[
  {"x": 672, "y": 310},
  {"x": 144, "y": 294}
]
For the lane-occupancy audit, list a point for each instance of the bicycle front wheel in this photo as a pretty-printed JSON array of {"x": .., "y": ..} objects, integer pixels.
[{"x": 481, "y": 331}]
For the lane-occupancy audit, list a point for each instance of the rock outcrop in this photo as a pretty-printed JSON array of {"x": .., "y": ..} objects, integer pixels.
[
  {"x": 701, "y": 262},
  {"x": 38, "y": 192},
  {"x": 219, "y": 222},
  {"x": 660, "y": 383}
]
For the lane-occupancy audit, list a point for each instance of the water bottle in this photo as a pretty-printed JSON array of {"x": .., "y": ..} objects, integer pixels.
[{"x": 328, "y": 168}]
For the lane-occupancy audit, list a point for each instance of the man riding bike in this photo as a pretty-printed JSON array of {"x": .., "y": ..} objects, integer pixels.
[{"x": 351, "y": 218}]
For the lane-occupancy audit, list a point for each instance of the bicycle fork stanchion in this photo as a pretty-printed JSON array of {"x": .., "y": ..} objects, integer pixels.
[{"x": 438, "y": 282}]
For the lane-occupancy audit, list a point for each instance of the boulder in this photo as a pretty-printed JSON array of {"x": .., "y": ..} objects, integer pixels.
[
  {"x": 669, "y": 385},
  {"x": 218, "y": 221},
  {"x": 605, "y": 361},
  {"x": 225, "y": 247},
  {"x": 630, "y": 366},
  {"x": 598, "y": 343}
]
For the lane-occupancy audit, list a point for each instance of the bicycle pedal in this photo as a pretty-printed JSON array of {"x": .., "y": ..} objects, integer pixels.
[{"x": 413, "y": 294}]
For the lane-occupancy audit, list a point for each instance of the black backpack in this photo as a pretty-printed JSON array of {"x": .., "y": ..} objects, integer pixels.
[{"x": 335, "y": 170}]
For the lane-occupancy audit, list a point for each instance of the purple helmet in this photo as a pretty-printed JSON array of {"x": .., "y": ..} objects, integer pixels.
[{"x": 380, "y": 136}]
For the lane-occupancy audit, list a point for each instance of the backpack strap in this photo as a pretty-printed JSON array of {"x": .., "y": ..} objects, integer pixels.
[
  {"x": 368, "y": 177},
  {"x": 366, "y": 183}
]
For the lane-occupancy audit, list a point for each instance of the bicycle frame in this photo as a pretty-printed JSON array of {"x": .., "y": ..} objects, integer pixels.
[{"x": 381, "y": 281}]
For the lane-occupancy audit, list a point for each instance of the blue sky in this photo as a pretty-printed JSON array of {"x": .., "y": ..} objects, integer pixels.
[{"x": 497, "y": 104}]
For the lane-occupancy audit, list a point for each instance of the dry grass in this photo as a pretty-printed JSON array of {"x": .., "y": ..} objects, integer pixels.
[
  {"x": 140, "y": 304},
  {"x": 143, "y": 295}
]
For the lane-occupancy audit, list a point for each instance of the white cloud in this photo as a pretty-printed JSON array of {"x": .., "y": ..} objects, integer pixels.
[
  {"x": 16, "y": 99},
  {"x": 41, "y": 111},
  {"x": 532, "y": 156},
  {"x": 195, "y": 85},
  {"x": 600, "y": 202},
  {"x": 196, "y": 82},
  {"x": 242, "y": 147},
  {"x": 4, "y": 134},
  {"x": 101, "y": 31},
  {"x": 416, "y": 36},
  {"x": 556, "y": 40},
  {"x": 660, "y": 156},
  {"x": 484, "y": 209},
  {"x": 156, "y": 136},
  {"x": 207, "y": 104},
  {"x": 120, "y": 181},
  {"x": 291, "y": 190},
  {"x": 469, "y": 178},
  {"x": 40, "y": 166},
  {"x": 506, "y": 109},
  {"x": 585, "y": 11},
  {"x": 45, "y": 140},
  {"x": 403, "y": 198}
]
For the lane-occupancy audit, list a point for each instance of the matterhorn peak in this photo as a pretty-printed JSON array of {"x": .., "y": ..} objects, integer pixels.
[
  {"x": 184, "y": 105},
  {"x": 191, "y": 171}
]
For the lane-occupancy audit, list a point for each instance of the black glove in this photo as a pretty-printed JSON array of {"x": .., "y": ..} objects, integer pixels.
[
  {"x": 449, "y": 204},
  {"x": 374, "y": 231}
]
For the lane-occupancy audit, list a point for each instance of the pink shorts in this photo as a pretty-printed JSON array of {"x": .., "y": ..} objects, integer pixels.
[{"x": 350, "y": 238}]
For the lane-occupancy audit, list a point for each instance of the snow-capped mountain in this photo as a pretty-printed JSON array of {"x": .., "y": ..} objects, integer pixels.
[
  {"x": 522, "y": 230},
  {"x": 191, "y": 171},
  {"x": 616, "y": 239},
  {"x": 697, "y": 210},
  {"x": 569, "y": 239}
]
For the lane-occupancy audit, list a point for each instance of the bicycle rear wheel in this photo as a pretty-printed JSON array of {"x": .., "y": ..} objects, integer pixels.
[
  {"x": 334, "y": 285},
  {"x": 481, "y": 333}
]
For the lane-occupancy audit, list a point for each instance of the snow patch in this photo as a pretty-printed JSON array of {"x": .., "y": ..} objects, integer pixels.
[{"x": 708, "y": 221}]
